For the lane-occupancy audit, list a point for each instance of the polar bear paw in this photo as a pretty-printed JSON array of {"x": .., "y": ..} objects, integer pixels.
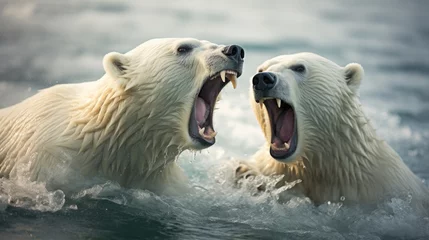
[{"x": 247, "y": 172}]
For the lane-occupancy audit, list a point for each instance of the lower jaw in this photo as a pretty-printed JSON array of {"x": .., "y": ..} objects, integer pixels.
[
  {"x": 285, "y": 156},
  {"x": 281, "y": 156},
  {"x": 199, "y": 143}
]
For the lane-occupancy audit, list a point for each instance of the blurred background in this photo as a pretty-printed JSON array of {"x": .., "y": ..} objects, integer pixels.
[{"x": 43, "y": 43}]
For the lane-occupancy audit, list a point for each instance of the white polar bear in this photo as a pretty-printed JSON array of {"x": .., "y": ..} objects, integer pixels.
[
  {"x": 129, "y": 126},
  {"x": 316, "y": 131}
]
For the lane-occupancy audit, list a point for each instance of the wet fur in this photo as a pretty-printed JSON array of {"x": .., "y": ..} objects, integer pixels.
[
  {"x": 129, "y": 126},
  {"x": 339, "y": 153}
]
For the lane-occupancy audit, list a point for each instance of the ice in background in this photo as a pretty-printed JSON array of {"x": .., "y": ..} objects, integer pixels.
[{"x": 43, "y": 43}]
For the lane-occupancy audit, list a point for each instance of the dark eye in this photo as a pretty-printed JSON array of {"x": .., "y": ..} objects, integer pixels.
[
  {"x": 184, "y": 49},
  {"x": 298, "y": 68}
]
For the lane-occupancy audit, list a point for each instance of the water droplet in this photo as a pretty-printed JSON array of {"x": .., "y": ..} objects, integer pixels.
[
  {"x": 342, "y": 198},
  {"x": 73, "y": 207},
  {"x": 194, "y": 156}
]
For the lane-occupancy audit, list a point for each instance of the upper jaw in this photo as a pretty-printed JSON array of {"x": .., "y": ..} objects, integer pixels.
[
  {"x": 261, "y": 96},
  {"x": 226, "y": 75},
  {"x": 201, "y": 128},
  {"x": 278, "y": 100},
  {"x": 275, "y": 93},
  {"x": 231, "y": 67}
]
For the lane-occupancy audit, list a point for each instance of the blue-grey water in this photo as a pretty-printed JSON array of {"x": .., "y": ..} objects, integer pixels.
[{"x": 43, "y": 43}]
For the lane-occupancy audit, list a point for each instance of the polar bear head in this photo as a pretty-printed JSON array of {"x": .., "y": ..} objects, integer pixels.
[
  {"x": 300, "y": 101},
  {"x": 174, "y": 84}
]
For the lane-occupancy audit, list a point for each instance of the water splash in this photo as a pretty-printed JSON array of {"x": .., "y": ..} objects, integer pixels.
[
  {"x": 20, "y": 191},
  {"x": 30, "y": 195}
]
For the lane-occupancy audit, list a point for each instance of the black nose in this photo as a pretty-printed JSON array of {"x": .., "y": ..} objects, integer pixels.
[
  {"x": 234, "y": 52},
  {"x": 264, "y": 81}
]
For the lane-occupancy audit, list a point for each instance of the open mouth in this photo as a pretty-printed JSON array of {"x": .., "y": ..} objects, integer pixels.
[
  {"x": 284, "y": 137},
  {"x": 201, "y": 120}
]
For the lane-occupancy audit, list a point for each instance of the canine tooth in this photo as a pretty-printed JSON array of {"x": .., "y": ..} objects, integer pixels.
[
  {"x": 222, "y": 75},
  {"x": 287, "y": 146},
  {"x": 233, "y": 80},
  {"x": 261, "y": 104},
  {"x": 273, "y": 146},
  {"x": 279, "y": 102},
  {"x": 212, "y": 134},
  {"x": 201, "y": 131}
]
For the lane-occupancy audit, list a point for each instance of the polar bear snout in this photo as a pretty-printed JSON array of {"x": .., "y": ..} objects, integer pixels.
[
  {"x": 234, "y": 52},
  {"x": 264, "y": 81},
  {"x": 264, "y": 85}
]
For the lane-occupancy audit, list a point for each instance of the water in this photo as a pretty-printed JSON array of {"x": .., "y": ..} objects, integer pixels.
[{"x": 43, "y": 43}]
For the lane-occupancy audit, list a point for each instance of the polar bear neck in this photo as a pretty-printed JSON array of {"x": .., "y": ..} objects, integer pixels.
[
  {"x": 347, "y": 157},
  {"x": 117, "y": 134},
  {"x": 347, "y": 137}
]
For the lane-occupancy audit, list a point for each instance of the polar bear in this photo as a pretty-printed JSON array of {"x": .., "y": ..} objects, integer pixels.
[
  {"x": 130, "y": 125},
  {"x": 316, "y": 131}
]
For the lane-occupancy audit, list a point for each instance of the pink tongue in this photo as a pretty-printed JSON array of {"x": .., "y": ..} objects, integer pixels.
[
  {"x": 200, "y": 110},
  {"x": 285, "y": 126}
]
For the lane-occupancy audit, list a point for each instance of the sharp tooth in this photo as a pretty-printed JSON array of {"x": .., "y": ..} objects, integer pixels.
[
  {"x": 213, "y": 134},
  {"x": 287, "y": 146},
  {"x": 233, "y": 80},
  {"x": 201, "y": 131},
  {"x": 279, "y": 102},
  {"x": 222, "y": 75},
  {"x": 261, "y": 104},
  {"x": 210, "y": 133},
  {"x": 273, "y": 146}
]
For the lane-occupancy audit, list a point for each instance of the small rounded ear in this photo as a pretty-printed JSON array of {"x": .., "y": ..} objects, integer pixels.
[
  {"x": 353, "y": 74},
  {"x": 115, "y": 65}
]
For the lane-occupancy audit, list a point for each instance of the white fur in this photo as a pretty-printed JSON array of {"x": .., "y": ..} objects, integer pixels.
[
  {"x": 129, "y": 126},
  {"x": 339, "y": 154}
]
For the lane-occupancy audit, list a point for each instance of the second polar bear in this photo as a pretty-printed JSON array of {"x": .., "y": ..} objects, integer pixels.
[
  {"x": 129, "y": 126},
  {"x": 316, "y": 131}
]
